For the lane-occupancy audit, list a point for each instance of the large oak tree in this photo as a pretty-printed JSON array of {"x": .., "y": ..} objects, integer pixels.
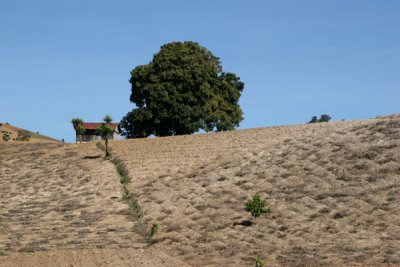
[{"x": 182, "y": 90}]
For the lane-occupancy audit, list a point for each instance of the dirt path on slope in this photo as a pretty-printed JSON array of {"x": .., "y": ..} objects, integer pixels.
[{"x": 66, "y": 208}]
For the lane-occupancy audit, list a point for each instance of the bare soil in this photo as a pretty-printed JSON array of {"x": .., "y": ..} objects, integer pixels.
[
  {"x": 334, "y": 191},
  {"x": 333, "y": 188},
  {"x": 62, "y": 205}
]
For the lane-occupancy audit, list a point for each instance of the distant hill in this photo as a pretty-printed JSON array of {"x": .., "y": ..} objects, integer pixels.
[{"x": 10, "y": 133}]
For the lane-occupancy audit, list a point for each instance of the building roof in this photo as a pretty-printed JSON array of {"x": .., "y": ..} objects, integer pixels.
[{"x": 95, "y": 125}]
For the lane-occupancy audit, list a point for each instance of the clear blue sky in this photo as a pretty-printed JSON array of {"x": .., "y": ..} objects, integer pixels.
[{"x": 64, "y": 59}]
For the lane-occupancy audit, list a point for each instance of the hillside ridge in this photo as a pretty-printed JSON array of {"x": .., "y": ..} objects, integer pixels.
[
  {"x": 12, "y": 132},
  {"x": 332, "y": 187}
]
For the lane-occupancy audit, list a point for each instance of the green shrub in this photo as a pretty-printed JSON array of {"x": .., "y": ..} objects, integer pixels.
[
  {"x": 259, "y": 261},
  {"x": 313, "y": 119},
  {"x": 153, "y": 230},
  {"x": 122, "y": 179},
  {"x": 23, "y": 135},
  {"x": 6, "y": 136},
  {"x": 135, "y": 210},
  {"x": 322, "y": 118},
  {"x": 257, "y": 206},
  {"x": 125, "y": 193}
]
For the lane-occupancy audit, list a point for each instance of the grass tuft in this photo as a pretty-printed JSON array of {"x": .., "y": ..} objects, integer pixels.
[
  {"x": 122, "y": 179},
  {"x": 153, "y": 231},
  {"x": 259, "y": 261}
]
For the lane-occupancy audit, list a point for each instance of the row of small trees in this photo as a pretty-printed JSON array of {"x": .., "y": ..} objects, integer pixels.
[
  {"x": 105, "y": 130},
  {"x": 22, "y": 136},
  {"x": 322, "y": 118}
]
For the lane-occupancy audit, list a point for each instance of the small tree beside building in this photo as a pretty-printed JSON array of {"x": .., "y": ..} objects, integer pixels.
[
  {"x": 106, "y": 131},
  {"x": 77, "y": 123}
]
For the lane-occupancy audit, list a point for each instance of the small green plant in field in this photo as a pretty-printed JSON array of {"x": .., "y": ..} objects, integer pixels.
[
  {"x": 122, "y": 179},
  {"x": 125, "y": 192},
  {"x": 260, "y": 262},
  {"x": 134, "y": 205},
  {"x": 135, "y": 210},
  {"x": 257, "y": 206},
  {"x": 153, "y": 230}
]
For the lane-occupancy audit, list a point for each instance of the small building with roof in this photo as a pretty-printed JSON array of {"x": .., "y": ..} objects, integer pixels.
[{"x": 91, "y": 132}]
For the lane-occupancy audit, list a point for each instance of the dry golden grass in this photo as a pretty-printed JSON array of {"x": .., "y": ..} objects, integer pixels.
[
  {"x": 64, "y": 204},
  {"x": 333, "y": 189},
  {"x": 55, "y": 198},
  {"x": 13, "y": 134}
]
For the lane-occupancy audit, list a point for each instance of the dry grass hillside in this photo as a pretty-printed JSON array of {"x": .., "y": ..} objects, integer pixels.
[
  {"x": 9, "y": 133},
  {"x": 64, "y": 205},
  {"x": 333, "y": 190}
]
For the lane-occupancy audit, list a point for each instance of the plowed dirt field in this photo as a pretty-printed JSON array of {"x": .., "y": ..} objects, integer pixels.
[{"x": 333, "y": 190}]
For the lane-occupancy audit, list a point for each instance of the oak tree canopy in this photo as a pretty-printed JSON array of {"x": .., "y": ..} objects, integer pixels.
[{"x": 182, "y": 90}]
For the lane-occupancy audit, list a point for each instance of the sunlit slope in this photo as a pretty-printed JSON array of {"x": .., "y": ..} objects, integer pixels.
[
  {"x": 55, "y": 198},
  {"x": 61, "y": 205},
  {"x": 333, "y": 189},
  {"x": 12, "y": 133}
]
